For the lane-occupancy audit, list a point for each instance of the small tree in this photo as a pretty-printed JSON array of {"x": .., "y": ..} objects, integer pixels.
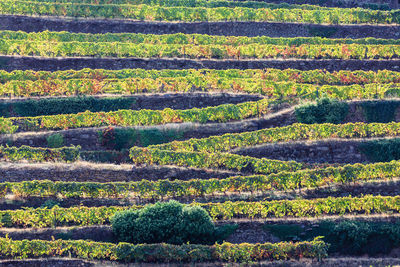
[{"x": 170, "y": 222}]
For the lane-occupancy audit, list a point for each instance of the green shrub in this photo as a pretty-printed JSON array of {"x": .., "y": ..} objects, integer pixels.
[
  {"x": 380, "y": 111},
  {"x": 391, "y": 93},
  {"x": 379, "y": 243},
  {"x": 348, "y": 237},
  {"x": 324, "y": 111},
  {"x": 50, "y": 203},
  {"x": 6, "y": 220},
  {"x": 55, "y": 140},
  {"x": 169, "y": 222},
  {"x": 123, "y": 138},
  {"x": 322, "y": 31},
  {"x": 69, "y": 154},
  {"x": 381, "y": 150},
  {"x": 155, "y": 136},
  {"x": 54, "y": 106},
  {"x": 356, "y": 238}
]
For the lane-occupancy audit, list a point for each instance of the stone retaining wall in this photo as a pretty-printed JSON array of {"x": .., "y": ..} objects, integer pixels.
[
  {"x": 10, "y": 63},
  {"x": 326, "y": 151},
  {"x": 273, "y": 29},
  {"x": 85, "y": 172},
  {"x": 159, "y": 101}
]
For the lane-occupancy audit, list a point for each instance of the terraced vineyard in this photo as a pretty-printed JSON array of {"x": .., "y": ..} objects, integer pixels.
[{"x": 279, "y": 119}]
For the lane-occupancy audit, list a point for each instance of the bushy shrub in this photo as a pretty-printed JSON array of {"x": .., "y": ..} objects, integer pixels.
[
  {"x": 170, "y": 222},
  {"x": 356, "y": 237},
  {"x": 324, "y": 111},
  {"x": 316, "y": 30},
  {"x": 122, "y": 138},
  {"x": 67, "y": 105},
  {"x": 50, "y": 203},
  {"x": 381, "y": 150},
  {"x": 348, "y": 237},
  {"x": 55, "y": 140},
  {"x": 380, "y": 111}
]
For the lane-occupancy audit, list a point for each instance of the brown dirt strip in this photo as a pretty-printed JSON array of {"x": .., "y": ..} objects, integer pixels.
[
  {"x": 95, "y": 172},
  {"x": 273, "y": 29},
  {"x": 10, "y": 63}
]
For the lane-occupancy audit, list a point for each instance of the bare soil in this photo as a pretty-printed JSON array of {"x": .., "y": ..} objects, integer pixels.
[
  {"x": 273, "y": 29},
  {"x": 10, "y": 63},
  {"x": 96, "y": 172}
]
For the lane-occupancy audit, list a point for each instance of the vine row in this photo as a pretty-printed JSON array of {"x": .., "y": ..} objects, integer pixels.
[
  {"x": 190, "y": 14},
  {"x": 299, "y": 208},
  {"x": 320, "y": 77},
  {"x": 222, "y": 113},
  {"x": 294, "y": 132},
  {"x": 160, "y": 189},
  {"x": 164, "y": 253},
  {"x": 252, "y": 51},
  {"x": 130, "y": 86},
  {"x": 183, "y": 39}
]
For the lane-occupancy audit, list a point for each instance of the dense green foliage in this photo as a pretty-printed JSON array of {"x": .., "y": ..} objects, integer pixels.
[
  {"x": 324, "y": 111},
  {"x": 125, "y": 138},
  {"x": 169, "y": 222},
  {"x": 381, "y": 150},
  {"x": 54, "y": 106},
  {"x": 55, "y": 140},
  {"x": 348, "y": 237},
  {"x": 380, "y": 111}
]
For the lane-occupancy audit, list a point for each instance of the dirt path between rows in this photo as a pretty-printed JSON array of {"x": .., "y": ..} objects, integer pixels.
[
  {"x": 10, "y": 63},
  {"x": 273, "y": 29}
]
